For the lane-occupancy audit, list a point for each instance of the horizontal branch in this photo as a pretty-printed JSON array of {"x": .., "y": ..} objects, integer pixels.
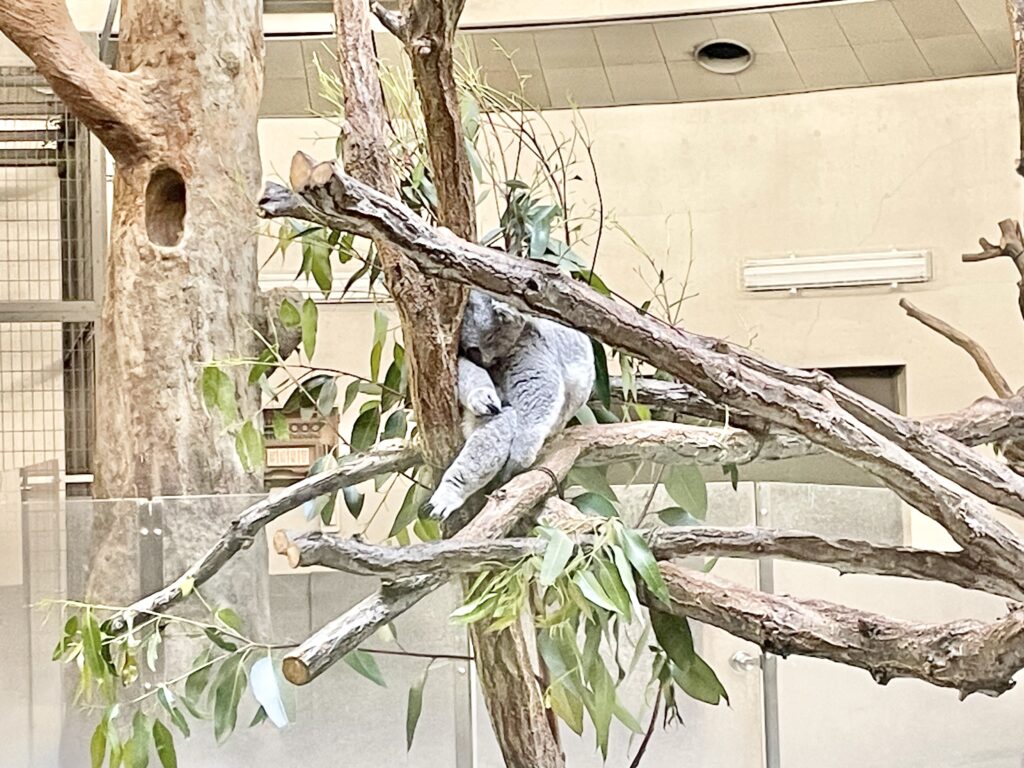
[
  {"x": 978, "y": 354},
  {"x": 456, "y": 556},
  {"x": 968, "y": 655},
  {"x": 386, "y": 458},
  {"x": 111, "y": 104},
  {"x": 923, "y": 467}
]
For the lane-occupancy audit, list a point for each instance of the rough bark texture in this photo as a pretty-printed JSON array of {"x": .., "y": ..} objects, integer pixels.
[
  {"x": 430, "y": 310},
  {"x": 970, "y": 656},
  {"x": 1015, "y": 14},
  {"x": 925, "y": 468},
  {"x": 181, "y": 271}
]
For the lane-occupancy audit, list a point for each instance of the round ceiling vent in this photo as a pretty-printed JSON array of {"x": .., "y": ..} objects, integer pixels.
[{"x": 725, "y": 57}]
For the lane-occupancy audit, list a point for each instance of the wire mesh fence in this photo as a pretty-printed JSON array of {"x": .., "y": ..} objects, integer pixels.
[{"x": 49, "y": 257}]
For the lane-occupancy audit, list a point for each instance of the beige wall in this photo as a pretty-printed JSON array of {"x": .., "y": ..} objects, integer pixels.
[{"x": 905, "y": 166}]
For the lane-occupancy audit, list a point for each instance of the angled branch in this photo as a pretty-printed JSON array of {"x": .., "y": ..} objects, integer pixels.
[
  {"x": 970, "y": 346},
  {"x": 970, "y": 656},
  {"x": 1011, "y": 244},
  {"x": 383, "y": 459},
  {"x": 112, "y": 104},
  {"x": 504, "y": 509},
  {"x": 923, "y": 467},
  {"x": 392, "y": 21}
]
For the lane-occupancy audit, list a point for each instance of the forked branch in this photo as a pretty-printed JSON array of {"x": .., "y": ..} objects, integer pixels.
[{"x": 112, "y": 104}]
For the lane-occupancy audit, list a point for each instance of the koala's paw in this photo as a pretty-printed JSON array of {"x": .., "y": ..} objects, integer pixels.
[
  {"x": 442, "y": 504},
  {"x": 483, "y": 402}
]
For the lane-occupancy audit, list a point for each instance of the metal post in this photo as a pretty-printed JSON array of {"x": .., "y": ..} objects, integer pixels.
[{"x": 769, "y": 664}]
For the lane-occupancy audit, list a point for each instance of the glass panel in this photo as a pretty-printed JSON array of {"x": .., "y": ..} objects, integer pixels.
[
  {"x": 905, "y": 723},
  {"x": 713, "y": 737}
]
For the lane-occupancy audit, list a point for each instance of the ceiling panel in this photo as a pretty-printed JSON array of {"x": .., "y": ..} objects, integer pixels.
[{"x": 833, "y": 45}]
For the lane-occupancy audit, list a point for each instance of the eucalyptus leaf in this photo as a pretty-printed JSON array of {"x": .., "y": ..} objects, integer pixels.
[
  {"x": 136, "y": 749},
  {"x": 98, "y": 743},
  {"x": 309, "y": 322},
  {"x": 364, "y": 431},
  {"x": 673, "y": 635},
  {"x": 363, "y": 663},
  {"x": 328, "y": 394},
  {"x": 414, "y": 707},
  {"x": 686, "y": 486},
  {"x": 593, "y": 591},
  {"x": 677, "y": 516},
  {"x": 700, "y": 682},
  {"x": 280, "y": 426},
  {"x": 556, "y": 556},
  {"x": 289, "y": 314},
  {"x": 396, "y": 426},
  {"x": 602, "y": 387},
  {"x": 353, "y": 500},
  {"x": 219, "y": 393},
  {"x": 595, "y": 504},
  {"x": 163, "y": 740},
  {"x": 568, "y": 706},
  {"x": 640, "y": 557},
  {"x": 228, "y": 687}
]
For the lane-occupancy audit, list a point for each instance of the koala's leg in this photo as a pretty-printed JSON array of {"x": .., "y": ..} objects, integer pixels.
[
  {"x": 537, "y": 393},
  {"x": 476, "y": 390},
  {"x": 481, "y": 458}
]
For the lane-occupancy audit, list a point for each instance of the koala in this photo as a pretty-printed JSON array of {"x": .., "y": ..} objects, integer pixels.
[{"x": 520, "y": 380}]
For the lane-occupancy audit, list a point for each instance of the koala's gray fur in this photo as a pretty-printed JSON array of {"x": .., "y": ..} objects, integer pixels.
[{"x": 520, "y": 380}]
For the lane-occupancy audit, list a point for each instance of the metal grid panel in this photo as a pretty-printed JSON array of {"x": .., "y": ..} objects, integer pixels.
[
  {"x": 48, "y": 241},
  {"x": 31, "y": 393}
]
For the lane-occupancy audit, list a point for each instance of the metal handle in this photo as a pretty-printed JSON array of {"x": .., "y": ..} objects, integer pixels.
[{"x": 742, "y": 661}]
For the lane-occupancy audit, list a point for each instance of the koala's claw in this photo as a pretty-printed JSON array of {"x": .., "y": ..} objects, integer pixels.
[
  {"x": 484, "y": 402},
  {"x": 441, "y": 505}
]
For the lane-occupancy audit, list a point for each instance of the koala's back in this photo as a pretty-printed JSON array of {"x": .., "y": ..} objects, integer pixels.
[{"x": 545, "y": 346}]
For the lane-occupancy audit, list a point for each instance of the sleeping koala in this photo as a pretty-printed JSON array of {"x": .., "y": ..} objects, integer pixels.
[{"x": 520, "y": 380}]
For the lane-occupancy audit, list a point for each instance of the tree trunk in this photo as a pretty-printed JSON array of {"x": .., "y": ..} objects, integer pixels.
[{"x": 181, "y": 284}]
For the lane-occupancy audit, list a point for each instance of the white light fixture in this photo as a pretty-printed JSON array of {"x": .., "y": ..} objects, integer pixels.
[{"x": 837, "y": 270}]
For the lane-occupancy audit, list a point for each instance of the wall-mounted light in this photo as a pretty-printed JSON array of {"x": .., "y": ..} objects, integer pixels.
[{"x": 837, "y": 270}]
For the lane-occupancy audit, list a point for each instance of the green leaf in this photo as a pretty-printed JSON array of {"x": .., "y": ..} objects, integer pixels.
[
  {"x": 259, "y": 717},
  {"x": 626, "y": 717},
  {"x": 364, "y": 431},
  {"x": 556, "y": 556},
  {"x": 328, "y": 394},
  {"x": 262, "y": 364},
  {"x": 601, "y": 385},
  {"x": 677, "y": 516},
  {"x": 687, "y": 488},
  {"x": 324, "y": 506},
  {"x": 219, "y": 393},
  {"x": 593, "y": 591},
  {"x": 350, "y": 394},
  {"x": 280, "y": 426},
  {"x": 594, "y": 504},
  {"x": 734, "y": 475},
  {"x": 316, "y": 254},
  {"x": 414, "y": 708},
  {"x": 592, "y": 479},
  {"x": 392, "y": 389},
  {"x": 309, "y": 321},
  {"x": 196, "y": 683},
  {"x": 289, "y": 315},
  {"x": 375, "y": 353},
  {"x": 700, "y": 682},
  {"x": 219, "y": 639},
  {"x": 353, "y": 500},
  {"x": 249, "y": 445},
  {"x": 363, "y": 663},
  {"x": 396, "y": 427},
  {"x": 674, "y": 637},
  {"x": 409, "y": 509},
  {"x": 586, "y": 416},
  {"x": 98, "y": 743},
  {"x": 92, "y": 646},
  {"x": 625, "y": 573},
  {"x": 227, "y": 693},
  {"x": 609, "y": 579},
  {"x": 427, "y": 529},
  {"x": 568, "y": 706},
  {"x": 601, "y": 703},
  {"x": 639, "y": 555},
  {"x": 136, "y": 749},
  {"x": 230, "y": 619},
  {"x": 164, "y": 742}
]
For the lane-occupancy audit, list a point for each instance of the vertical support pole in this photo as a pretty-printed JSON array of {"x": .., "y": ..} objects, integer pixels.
[{"x": 769, "y": 664}]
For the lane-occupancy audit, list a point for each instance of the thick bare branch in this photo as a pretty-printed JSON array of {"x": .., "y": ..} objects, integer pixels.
[
  {"x": 1015, "y": 14},
  {"x": 429, "y": 309},
  {"x": 387, "y": 457},
  {"x": 392, "y": 21},
  {"x": 112, "y": 104},
  {"x": 970, "y": 656},
  {"x": 970, "y": 346},
  {"x": 923, "y": 467},
  {"x": 1011, "y": 244},
  {"x": 456, "y": 556}
]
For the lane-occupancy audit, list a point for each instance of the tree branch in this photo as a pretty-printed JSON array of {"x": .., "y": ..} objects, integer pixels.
[
  {"x": 1011, "y": 244},
  {"x": 923, "y": 467},
  {"x": 970, "y": 656},
  {"x": 970, "y": 346},
  {"x": 458, "y": 556},
  {"x": 383, "y": 459},
  {"x": 392, "y": 21},
  {"x": 504, "y": 509},
  {"x": 113, "y": 105}
]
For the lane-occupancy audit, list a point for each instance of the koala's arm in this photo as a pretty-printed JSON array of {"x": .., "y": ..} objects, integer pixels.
[
  {"x": 535, "y": 389},
  {"x": 476, "y": 389},
  {"x": 481, "y": 458}
]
